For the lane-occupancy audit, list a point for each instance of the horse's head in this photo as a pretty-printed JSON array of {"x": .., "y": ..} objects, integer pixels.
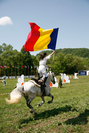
[{"x": 51, "y": 76}]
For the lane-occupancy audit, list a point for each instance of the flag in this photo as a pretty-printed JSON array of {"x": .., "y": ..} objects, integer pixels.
[
  {"x": 25, "y": 66},
  {"x": 39, "y": 39},
  {"x": 22, "y": 66},
  {"x": 28, "y": 66},
  {"x": 5, "y": 66},
  {"x": 1, "y": 67}
]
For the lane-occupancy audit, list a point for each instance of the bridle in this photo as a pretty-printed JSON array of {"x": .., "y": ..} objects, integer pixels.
[{"x": 53, "y": 78}]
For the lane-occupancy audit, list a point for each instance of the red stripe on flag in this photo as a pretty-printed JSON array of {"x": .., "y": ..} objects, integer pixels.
[{"x": 32, "y": 37}]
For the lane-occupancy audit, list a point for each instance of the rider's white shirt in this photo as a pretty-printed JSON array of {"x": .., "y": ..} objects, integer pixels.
[
  {"x": 42, "y": 66},
  {"x": 43, "y": 62}
]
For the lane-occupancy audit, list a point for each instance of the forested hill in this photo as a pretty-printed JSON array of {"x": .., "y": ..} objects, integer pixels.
[{"x": 81, "y": 52}]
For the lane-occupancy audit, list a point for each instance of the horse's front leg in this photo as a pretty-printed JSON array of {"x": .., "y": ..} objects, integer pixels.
[
  {"x": 28, "y": 101},
  {"x": 51, "y": 97},
  {"x": 40, "y": 104}
]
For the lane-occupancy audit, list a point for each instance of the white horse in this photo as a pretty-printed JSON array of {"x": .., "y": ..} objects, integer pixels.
[{"x": 30, "y": 90}]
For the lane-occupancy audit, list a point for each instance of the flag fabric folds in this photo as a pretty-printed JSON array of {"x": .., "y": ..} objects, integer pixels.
[{"x": 39, "y": 39}]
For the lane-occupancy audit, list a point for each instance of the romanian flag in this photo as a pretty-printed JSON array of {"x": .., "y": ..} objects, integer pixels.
[{"x": 39, "y": 39}]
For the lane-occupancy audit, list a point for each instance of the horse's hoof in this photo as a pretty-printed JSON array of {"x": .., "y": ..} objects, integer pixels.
[
  {"x": 31, "y": 111},
  {"x": 35, "y": 113},
  {"x": 49, "y": 102}
]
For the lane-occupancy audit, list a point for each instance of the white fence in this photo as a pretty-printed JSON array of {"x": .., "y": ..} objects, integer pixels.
[{"x": 13, "y": 77}]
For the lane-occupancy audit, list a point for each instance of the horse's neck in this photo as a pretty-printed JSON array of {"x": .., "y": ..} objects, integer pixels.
[{"x": 48, "y": 80}]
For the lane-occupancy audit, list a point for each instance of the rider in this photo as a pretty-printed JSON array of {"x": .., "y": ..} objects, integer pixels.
[{"x": 42, "y": 68}]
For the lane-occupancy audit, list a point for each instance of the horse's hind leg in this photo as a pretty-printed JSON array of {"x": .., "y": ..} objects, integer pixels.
[
  {"x": 28, "y": 101},
  {"x": 40, "y": 104},
  {"x": 51, "y": 97}
]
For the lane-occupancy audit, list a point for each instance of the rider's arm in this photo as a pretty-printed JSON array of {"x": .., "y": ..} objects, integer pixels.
[
  {"x": 48, "y": 57},
  {"x": 52, "y": 53}
]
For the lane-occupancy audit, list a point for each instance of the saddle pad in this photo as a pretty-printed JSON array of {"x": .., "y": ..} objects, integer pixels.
[{"x": 35, "y": 83}]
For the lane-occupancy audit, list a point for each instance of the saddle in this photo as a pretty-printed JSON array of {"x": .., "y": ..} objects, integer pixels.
[{"x": 38, "y": 84}]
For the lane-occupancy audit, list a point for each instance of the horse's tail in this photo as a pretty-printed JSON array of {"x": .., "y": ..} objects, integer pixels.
[
  {"x": 11, "y": 101},
  {"x": 15, "y": 96}
]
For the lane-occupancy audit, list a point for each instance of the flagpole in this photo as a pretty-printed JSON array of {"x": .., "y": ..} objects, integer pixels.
[
  {"x": 53, "y": 56},
  {"x": 28, "y": 70},
  {"x": 0, "y": 71},
  {"x": 21, "y": 70},
  {"x": 8, "y": 72},
  {"x": 11, "y": 70},
  {"x": 18, "y": 70},
  {"x": 15, "y": 73},
  {"x": 4, "y": 71}
]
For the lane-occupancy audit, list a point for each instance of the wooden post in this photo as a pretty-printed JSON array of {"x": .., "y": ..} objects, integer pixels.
[{"x": 28, "y": 70}]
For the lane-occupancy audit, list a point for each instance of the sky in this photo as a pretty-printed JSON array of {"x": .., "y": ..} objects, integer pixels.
[{"x": 70, "y": 16}]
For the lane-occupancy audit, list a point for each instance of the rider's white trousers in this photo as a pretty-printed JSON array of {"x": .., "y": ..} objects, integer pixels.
[{"x": 42, "y": 71}]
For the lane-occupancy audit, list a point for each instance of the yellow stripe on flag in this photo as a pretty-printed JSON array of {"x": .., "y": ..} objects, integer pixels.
[{"x": 43, "y": 40}]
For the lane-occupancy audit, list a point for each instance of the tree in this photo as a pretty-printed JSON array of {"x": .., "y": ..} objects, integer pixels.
[
  {"x": 22, "y": 50},
  {"x": 58, "y": 64},
  {"x": 35, "y": 61},
  {"x": 9, "y": 56},
  {"x": 6, "y": 47},
  {"x": 27, "y": 59},
  {"x": 0, "y": 50}
]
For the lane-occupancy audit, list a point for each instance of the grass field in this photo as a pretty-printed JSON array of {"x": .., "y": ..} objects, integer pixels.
[{"x": 69, "y": 112}]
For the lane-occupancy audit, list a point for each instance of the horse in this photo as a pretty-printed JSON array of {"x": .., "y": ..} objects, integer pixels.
[{"x": 29, "y": 90}]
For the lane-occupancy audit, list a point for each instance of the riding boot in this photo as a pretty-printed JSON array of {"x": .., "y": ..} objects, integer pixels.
[
  {"x": 43, "y": 89},
  {"x": 45, "y": 80},
  {"x": 43, "y": 86}
]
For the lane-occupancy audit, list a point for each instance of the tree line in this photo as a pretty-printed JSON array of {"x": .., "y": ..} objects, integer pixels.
[
  {"x": 68, "y": 64},
  {"x": 80, "y": 52},
  {"x": 13, "y": 62},
  {"x": 64, "y": 61}
]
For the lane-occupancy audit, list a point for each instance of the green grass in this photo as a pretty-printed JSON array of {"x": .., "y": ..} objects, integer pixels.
[{"x": 69, "y": 112}]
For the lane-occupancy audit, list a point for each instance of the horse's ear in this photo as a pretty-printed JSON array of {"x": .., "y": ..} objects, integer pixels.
[{"x": 49, "y": 68}]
